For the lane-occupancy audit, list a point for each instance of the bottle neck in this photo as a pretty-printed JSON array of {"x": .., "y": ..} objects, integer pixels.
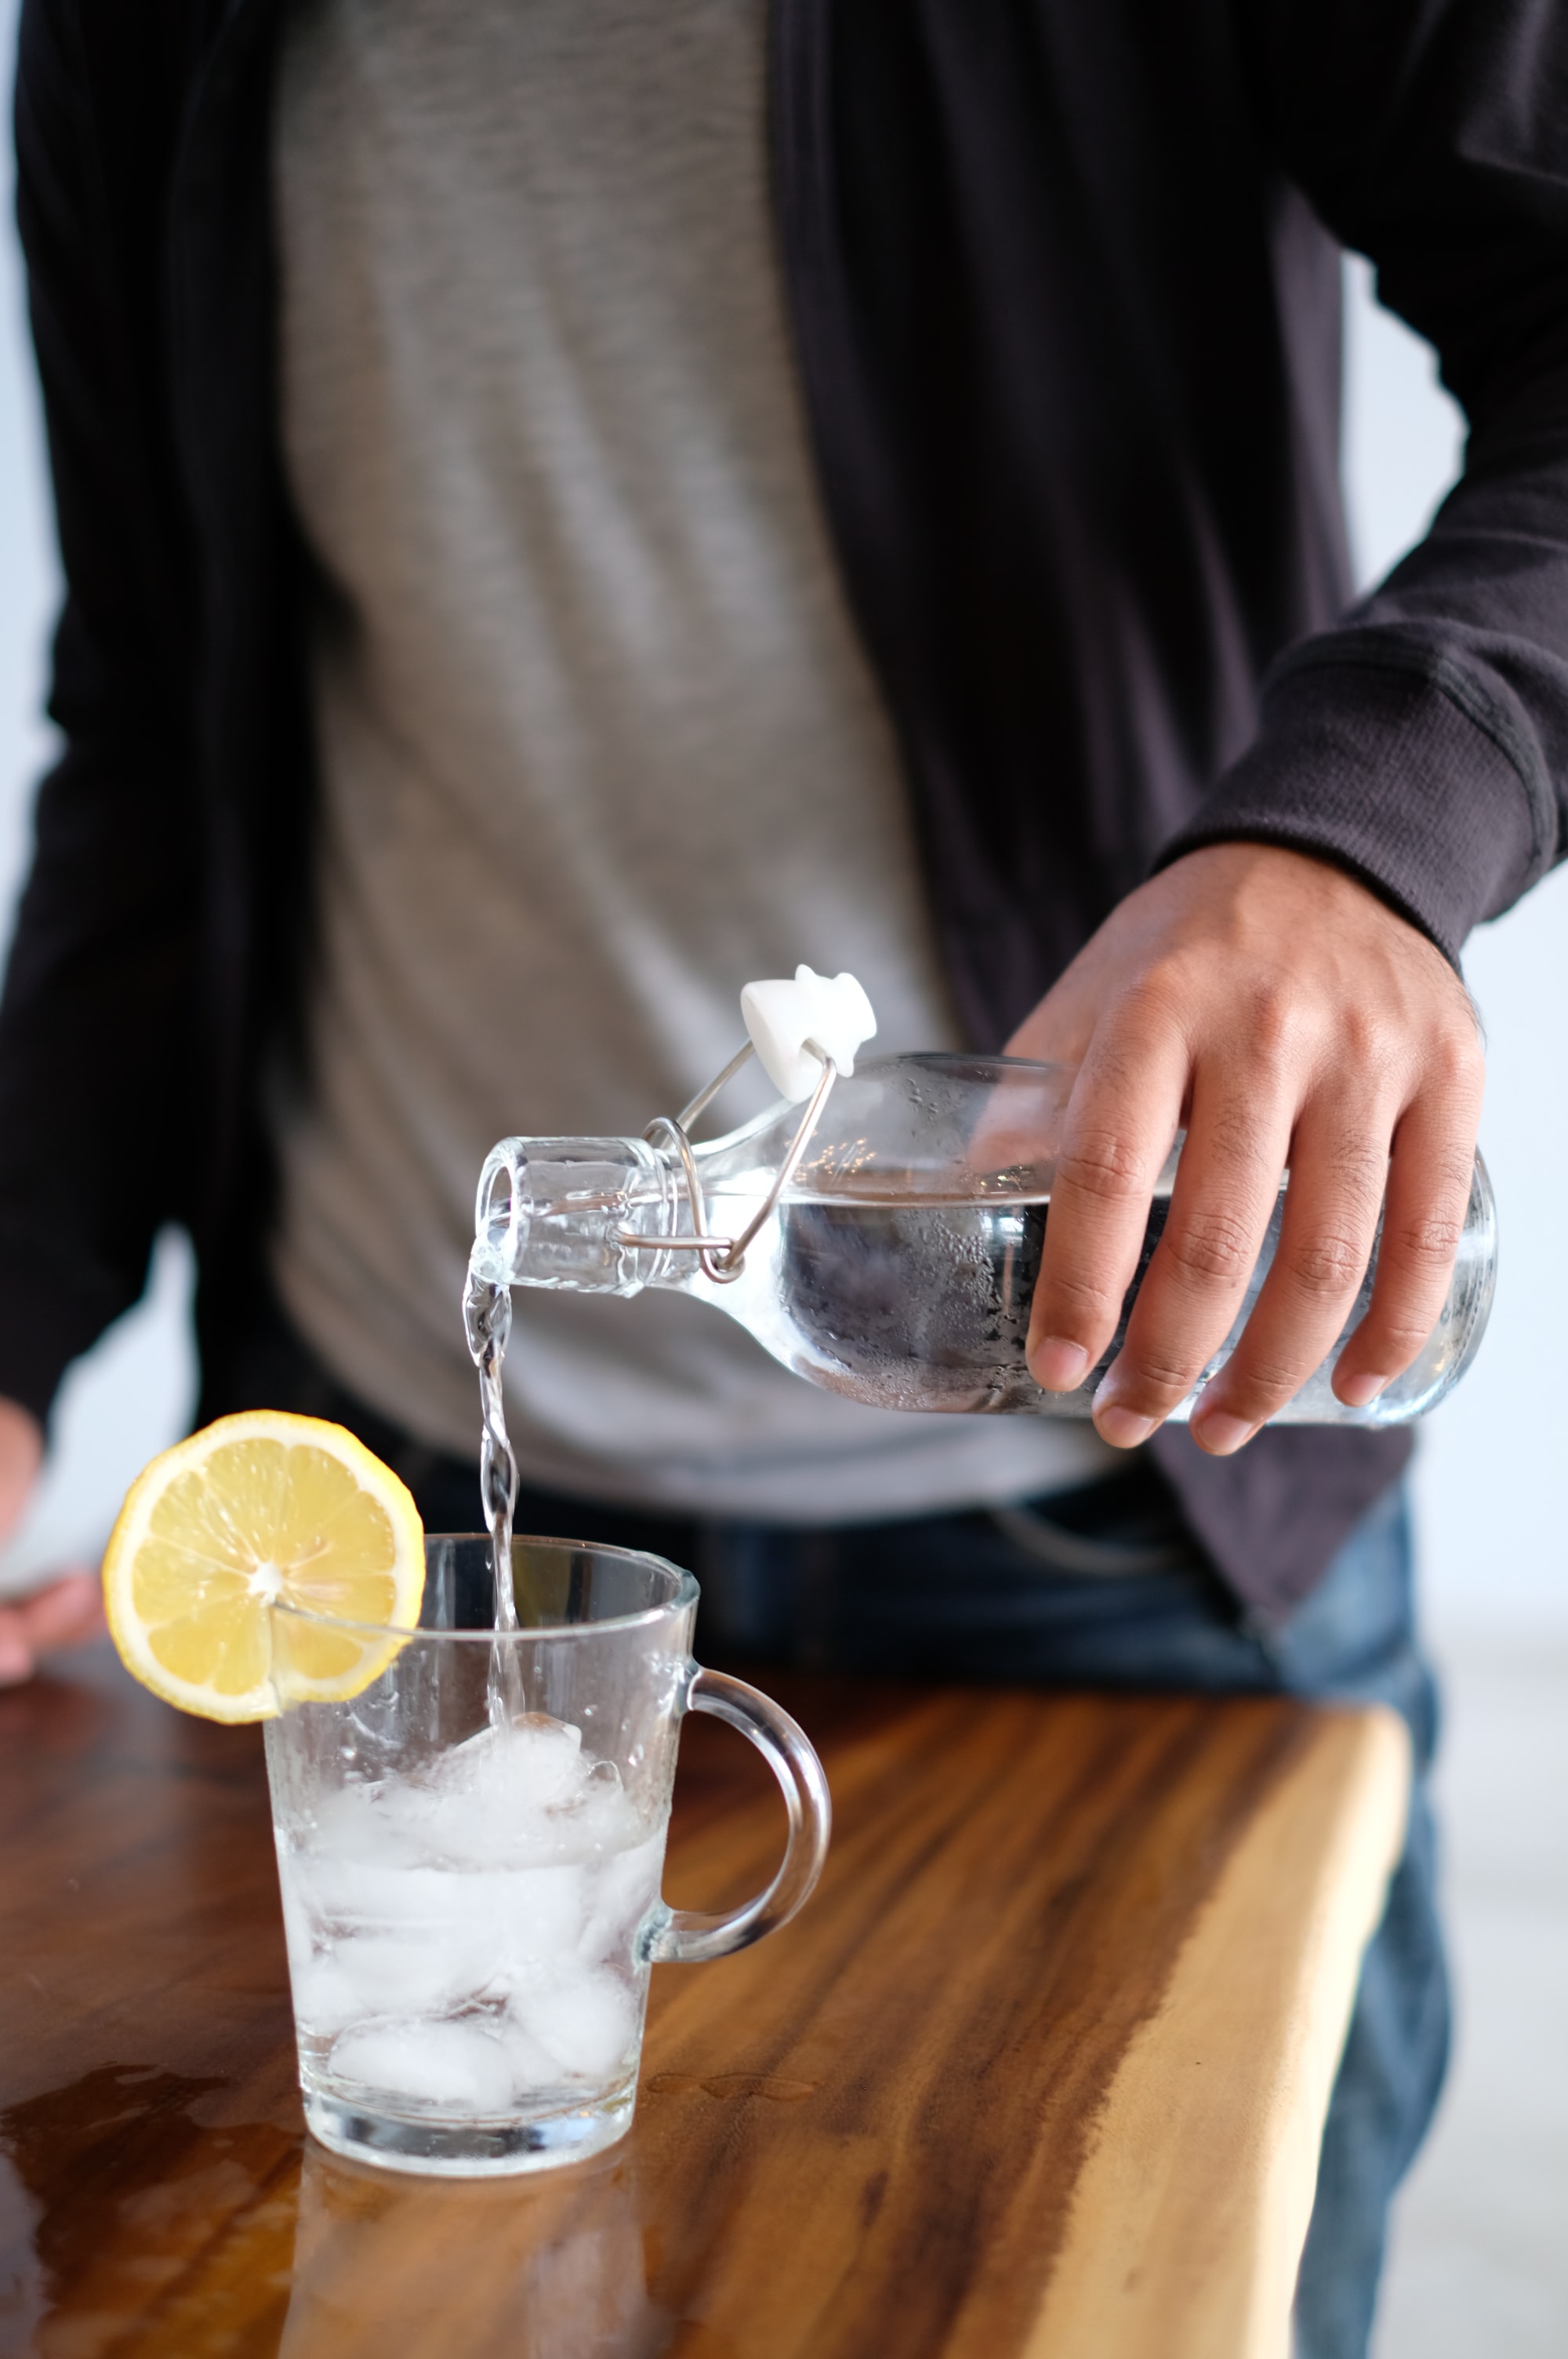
[{"x": 566, "y": 1212}]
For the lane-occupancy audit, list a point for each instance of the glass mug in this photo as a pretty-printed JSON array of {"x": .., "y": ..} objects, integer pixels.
[{"x": 473, "y": 1906}]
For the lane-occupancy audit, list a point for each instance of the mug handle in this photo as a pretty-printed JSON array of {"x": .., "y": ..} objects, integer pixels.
[{"x": 687, "y": 1936}]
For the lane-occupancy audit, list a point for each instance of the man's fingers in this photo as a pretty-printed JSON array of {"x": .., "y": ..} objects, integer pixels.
[
  {"x": 1118, "y": 1127},
  {"x": 65, "y": 1614},
  {"x": 70, "y": 1610},
  {"x": 1423, "y": 1219},
  {"x": 1237, "y": 1137},
  {"x": 1338, "y": 1168},
  {"x": 16, "y": 1655},
  {"x": 21, "y": 1455}
]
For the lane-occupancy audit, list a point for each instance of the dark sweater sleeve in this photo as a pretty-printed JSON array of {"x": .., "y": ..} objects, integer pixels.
[
  {"x": 95, "y": 1022},
  {"x": 1423, "y": 743}
]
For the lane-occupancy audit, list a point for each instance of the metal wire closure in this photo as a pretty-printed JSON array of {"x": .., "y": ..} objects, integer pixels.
[{"x": 724, "y": 1259}]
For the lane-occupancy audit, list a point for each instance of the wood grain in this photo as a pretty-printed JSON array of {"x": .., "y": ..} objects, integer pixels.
[
  {"x": 950, "y": 2111},
  {"x": 1200, "y": 2181}
]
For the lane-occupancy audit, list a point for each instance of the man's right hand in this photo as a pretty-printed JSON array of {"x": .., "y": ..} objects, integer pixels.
[{"x": 71, "y": 1607}]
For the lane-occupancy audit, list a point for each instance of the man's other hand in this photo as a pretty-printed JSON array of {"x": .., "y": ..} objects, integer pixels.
[
  {"x": 71, "y": 1607},
  {"x": 1283, "y": 1014}
]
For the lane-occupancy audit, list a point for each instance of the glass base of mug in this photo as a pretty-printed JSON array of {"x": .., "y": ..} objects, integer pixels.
[{"x": 467, "y": 2150}]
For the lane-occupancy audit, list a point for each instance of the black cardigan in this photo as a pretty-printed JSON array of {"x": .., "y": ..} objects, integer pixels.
[{"x": 1067, "y": 316}]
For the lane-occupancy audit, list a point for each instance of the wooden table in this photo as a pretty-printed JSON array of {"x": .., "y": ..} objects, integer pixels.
[{"x": 1041, "y": 2069}]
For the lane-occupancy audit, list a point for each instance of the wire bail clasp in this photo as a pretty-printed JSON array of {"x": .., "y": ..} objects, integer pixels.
[
  {"x": 723, "y": 1258},
  {"x": 793, "y": 1028}
]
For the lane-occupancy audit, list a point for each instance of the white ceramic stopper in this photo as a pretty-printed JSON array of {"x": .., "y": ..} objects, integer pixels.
[{"x": 783, "y": 1016}]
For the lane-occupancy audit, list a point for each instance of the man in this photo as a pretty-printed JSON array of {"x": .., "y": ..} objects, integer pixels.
[{"x": 562, "y": 517}]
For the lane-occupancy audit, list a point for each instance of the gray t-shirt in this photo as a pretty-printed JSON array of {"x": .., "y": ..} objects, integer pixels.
[{"x": 598, "y": 742}]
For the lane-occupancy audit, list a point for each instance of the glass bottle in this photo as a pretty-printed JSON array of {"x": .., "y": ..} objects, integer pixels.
[{"x": 897, "y": 1261}]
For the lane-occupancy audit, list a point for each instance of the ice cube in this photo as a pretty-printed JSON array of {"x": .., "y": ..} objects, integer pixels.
[
  {"x": 534, "y": 1762},
  {"x": 325, "y": 2000},
  {"x": 535, "y": 2072},
  {"x": 621, "y": 1894},
  {"x": 361, "y": 1861},
  {"x": 365, "y": 1819},
  {"x": 544, "y": 1759},
  {"x": 497, "y": 1797},
  {"x": 419, "y": 1974},
  {"x": 598, "y": 1818},
  {"x": 466, "y": 2067},
  {"x": 538, "y": 1912},
  {"x": 420, "y": 1941},
  {"x": 501, "y": 1928},
  {"x": 297, "y": 1916},
  {"x": 585, "y": 2022},
  {"x": 392, "y": 1896}
]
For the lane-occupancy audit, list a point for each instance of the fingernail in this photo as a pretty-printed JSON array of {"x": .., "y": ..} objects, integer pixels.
[
  {"x": 1057, "y": 1365},
  {"x": 1356, "y": 1392},
  {"x": 1219, "y": 1433},
  {"x": 1122, "y": 1427}
]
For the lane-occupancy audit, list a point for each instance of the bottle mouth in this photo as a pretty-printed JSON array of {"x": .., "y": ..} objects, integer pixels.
[{"x": 500, "y": 1215}]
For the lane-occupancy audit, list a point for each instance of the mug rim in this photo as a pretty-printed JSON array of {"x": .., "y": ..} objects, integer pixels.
[{"x": 686, "y": 1593}]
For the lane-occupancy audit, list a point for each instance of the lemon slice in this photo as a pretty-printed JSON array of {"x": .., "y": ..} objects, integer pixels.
[{"x": 254, "y": 1509}]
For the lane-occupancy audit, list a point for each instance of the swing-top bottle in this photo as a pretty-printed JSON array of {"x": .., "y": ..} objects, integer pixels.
[{"x": 879, "y": 1229}]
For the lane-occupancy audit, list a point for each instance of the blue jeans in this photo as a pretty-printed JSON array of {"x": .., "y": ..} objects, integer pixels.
[{"x": 1100, "y": 1589}]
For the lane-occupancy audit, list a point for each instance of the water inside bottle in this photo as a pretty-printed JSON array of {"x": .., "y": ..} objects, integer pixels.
[{"x": 915, "y": 1304}]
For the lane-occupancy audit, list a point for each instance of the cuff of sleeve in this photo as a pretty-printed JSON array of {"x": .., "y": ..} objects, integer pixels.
[
  {"x": 1382, "y": 762},
  {"x": 48, "y": 1315}
]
